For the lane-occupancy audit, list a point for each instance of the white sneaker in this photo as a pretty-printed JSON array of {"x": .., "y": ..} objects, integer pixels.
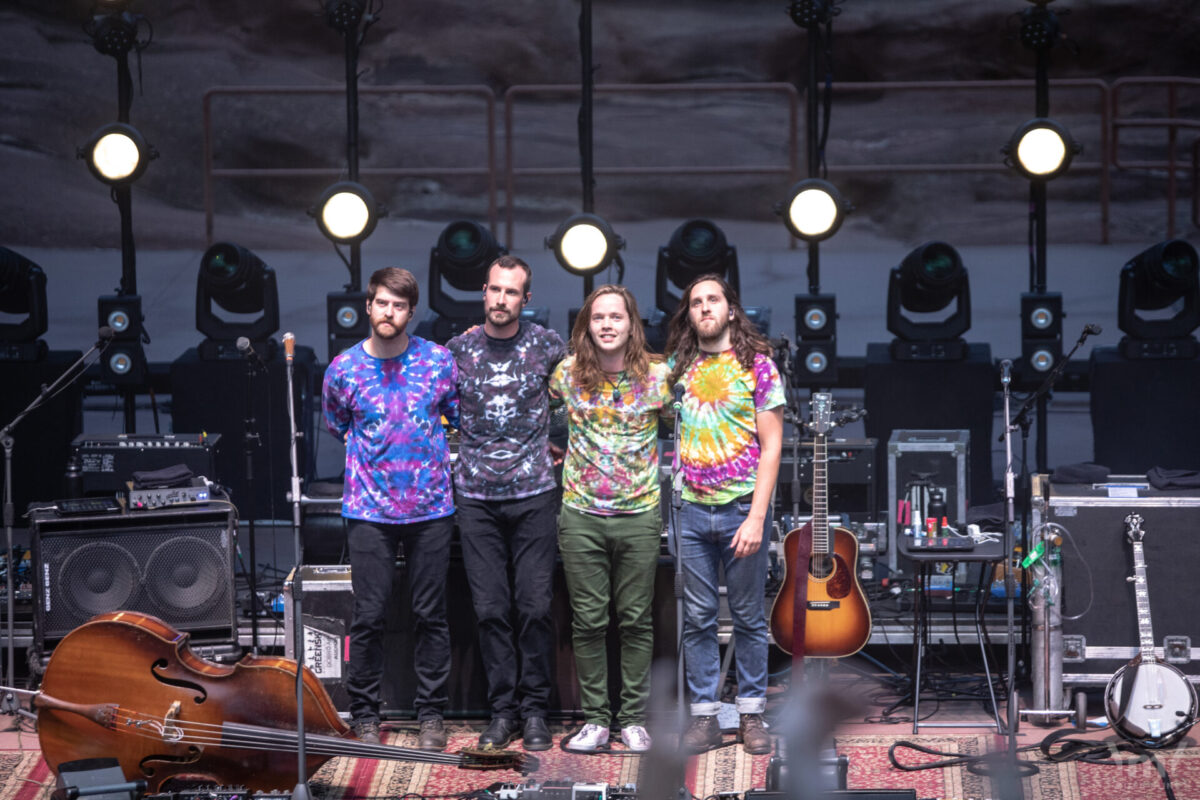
[
  {"x": 636, "y": 738},
  {"x": 590, "y": 737}
]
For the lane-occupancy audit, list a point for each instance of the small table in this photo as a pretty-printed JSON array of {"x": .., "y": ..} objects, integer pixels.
[{"x": 986, "y": 552}]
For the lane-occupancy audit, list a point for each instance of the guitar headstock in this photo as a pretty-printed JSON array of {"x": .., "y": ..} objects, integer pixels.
[
  {"x": 824, "y": 420},
  {"x": 475, "y": 758},
  {"x": 1133, "y": 528}
]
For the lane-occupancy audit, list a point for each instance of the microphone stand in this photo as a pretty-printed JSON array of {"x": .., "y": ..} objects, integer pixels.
[
  {"x": 251, "y": 440},
  {"x": 676, "y": 510},
  {"x": 69, "y": 376},
  {"x": 1009, "y": 783},
  {"x": 301, "y": 791}
]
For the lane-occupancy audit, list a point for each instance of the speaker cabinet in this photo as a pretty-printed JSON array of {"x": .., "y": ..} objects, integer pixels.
[
  {"x": 211, "y": 395},
  {"x": 176, "y": 564},
  {"x": 916, "y": 395},
  {"x": 1095, "y": 576},
  {"x": 43, "y": 439}
]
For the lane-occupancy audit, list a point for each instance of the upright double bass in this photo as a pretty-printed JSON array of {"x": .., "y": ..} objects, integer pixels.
[{"x": 126, "y": 685}]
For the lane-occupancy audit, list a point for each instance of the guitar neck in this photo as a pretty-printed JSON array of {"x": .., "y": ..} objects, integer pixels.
[
  {"x": 820, "y": 500},
  {"x": 1141, "y": 591}
]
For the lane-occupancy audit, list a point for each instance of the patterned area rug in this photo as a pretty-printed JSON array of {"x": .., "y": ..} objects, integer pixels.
[
  {"x": 25, "y": 776},
  {"x": 871, "y": 769}
]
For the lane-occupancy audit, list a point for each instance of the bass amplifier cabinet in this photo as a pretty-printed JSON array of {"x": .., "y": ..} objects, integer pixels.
[
  {"x": 851, "y": 473},
  {"x": 1094, "y": 577},
  {"x": 101, "y": 463},
  {"x": 176, "y": 564}
]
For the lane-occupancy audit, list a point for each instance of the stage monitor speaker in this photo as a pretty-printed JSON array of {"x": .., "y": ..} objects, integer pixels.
[
  {"x": 175, "y": 564},
  {"x": 1144, "y": 412},
  {"x": 42, "y": 441},
  {"x": 210, "y": 395},
  {"x": 907, "y": 395}
]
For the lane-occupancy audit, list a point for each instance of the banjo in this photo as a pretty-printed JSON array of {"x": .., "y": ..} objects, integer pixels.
[{"x": 1148, "y": 702}]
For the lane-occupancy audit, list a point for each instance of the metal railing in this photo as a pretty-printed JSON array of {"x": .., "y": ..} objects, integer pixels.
[
  {"x": 211, "y": 172},
  {"x": 1103, "y": 109}
]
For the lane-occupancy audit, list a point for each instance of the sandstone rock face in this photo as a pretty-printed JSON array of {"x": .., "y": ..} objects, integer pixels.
[{"x": 57, "y": 89}]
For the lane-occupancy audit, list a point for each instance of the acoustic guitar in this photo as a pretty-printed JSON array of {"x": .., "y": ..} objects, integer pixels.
[
  {"x": 1148, "y": 702},
  {"x": 837, "y": 618}
]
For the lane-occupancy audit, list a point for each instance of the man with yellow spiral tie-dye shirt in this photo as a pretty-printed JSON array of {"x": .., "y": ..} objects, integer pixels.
[{"x": 731, "y": 431}]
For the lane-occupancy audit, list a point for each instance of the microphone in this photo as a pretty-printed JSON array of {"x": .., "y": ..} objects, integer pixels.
[
  {"x": 247, "y": 350},
  {"x": 289, "y": 346},
  {"x": 678, "y": 390},
  {"x": 1092, "y": 330},
  {"x": 104, "y": 336},
  {"x": 1005, "y": 371}
]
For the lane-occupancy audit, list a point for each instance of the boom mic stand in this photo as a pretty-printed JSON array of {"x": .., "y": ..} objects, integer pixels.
[
  {"x": 69, "y": 376},
  {"x": 301, "y": 791}
]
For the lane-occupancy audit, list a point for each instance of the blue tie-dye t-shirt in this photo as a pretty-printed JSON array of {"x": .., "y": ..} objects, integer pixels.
[{"x": 389, "y": 410}]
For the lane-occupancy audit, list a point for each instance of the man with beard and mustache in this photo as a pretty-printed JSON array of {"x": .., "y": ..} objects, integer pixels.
[
  {"x": 731, "y": 431},
  {"x": 385, "y": 397},
  {"x": 507, "y": 502}
]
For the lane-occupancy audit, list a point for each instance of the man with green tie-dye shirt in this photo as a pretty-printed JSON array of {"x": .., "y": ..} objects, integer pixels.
[
  {"x": 731, "y": 432},
  {"x": 609, "y": 529}
]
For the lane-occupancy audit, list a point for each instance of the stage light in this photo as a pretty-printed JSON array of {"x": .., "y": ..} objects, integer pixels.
[
  {"x": 240, "y": 283},
  {"x": 816, "y": 340},
  {"x": 1041, "y": 149},
  {"x": 117, "y": 154},
  {"x": 1041, "y": 333},
  {"x": 344, "y": 15},
  {"x": 346, "y": 212},
  {"x": 814, "y": 211},
  {"x": 928, "y": 280},
  {"x": 585, "y": 244},
  {"x": 22, "y": 293},
  {"x": 697, "y": 247},
  {"x": 124, "y": 360},
  {"x": 1163, "y": 280},
  {"x": 114, "y": 34}
]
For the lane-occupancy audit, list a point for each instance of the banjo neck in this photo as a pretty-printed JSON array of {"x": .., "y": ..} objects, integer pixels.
[{"x": 1141, "y": 588}]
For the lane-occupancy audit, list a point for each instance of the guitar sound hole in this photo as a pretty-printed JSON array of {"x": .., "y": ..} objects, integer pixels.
[{"x": 821, "y": 566}]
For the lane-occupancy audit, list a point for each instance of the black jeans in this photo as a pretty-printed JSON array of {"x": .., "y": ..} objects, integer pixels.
[
  {"x": 373, "y": 548},
  {"x": 509, "y": 549}
]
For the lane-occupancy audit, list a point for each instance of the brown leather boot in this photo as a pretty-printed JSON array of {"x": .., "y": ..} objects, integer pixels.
[
  {"x": 752, "y": 733},
  {"x": 704, "y": 733}
]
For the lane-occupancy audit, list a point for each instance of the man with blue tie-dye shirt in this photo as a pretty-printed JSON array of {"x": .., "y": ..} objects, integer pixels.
[{"x": 385, "y": 397}]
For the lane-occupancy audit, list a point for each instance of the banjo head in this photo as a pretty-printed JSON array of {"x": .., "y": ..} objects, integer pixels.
[{"x": 1161, "y": 705}]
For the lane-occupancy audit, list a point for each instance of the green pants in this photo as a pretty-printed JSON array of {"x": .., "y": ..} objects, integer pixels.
[{"x": 614, "y": 559}]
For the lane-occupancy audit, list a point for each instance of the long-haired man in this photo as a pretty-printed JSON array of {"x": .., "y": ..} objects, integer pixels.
[
  {"x": 609, "y": 528},
  {"x": 731, "y": 431}
]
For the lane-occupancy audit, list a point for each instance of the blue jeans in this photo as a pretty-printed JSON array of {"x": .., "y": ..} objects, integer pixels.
[
  {"x": 509, "y": 549},
  {"x": 705, "y": 534},
  {"x": 373, "y": 549}
]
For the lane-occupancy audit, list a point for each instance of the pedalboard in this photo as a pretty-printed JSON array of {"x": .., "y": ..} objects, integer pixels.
[{"x": 196, "y": 491}]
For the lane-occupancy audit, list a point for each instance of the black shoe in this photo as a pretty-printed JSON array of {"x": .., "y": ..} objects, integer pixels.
[
  {"x": 432, "y": 735},
  {"x": 536, "y": 735},
  {"x": 500, "y": 731},
  {"x": 367, "y": 730}
]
